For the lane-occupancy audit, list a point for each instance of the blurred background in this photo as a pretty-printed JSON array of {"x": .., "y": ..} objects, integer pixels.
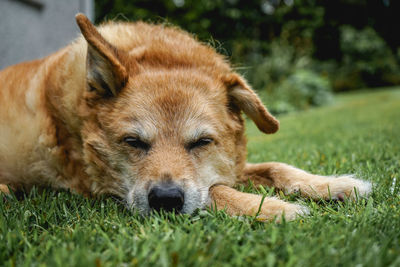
[
  {"x": 31, "y": 29},
  {"x": 295, "y": 53}
]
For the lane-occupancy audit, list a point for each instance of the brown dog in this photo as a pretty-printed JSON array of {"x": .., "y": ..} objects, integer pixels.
[{"x": 146, "y": 113}]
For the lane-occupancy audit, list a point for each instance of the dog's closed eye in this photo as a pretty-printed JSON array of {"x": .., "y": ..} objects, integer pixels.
[
  {"x": 136, "y": 143},
  {"x": 199, "y": 143}
]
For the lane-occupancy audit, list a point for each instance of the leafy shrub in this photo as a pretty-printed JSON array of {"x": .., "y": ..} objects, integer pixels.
[
  {"x": 366, "y": 60},
  {"x": 286, "y": 81},
  {"x": 274, "y": 68},
  {"x": 301, "y": 90}
]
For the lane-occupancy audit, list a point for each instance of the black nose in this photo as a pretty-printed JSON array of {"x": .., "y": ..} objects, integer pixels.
[{"x": 166, "y": 196}]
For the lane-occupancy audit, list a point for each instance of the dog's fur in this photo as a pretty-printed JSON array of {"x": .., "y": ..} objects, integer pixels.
[{"x": 65, "y": 119}]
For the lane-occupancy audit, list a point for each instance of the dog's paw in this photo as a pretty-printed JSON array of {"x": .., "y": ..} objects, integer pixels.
[
  {"x": 347, "y": 186},
  {"x": 4, "y": 189},
  {"x": 278, "y": 209},
  {"x": 293, "y": 211}
]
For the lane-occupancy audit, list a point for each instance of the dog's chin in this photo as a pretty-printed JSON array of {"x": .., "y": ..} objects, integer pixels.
[{"x": 195, "y": 199}]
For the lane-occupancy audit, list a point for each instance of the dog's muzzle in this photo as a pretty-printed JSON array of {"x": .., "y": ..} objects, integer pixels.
[{"x": 166, "y": 196}]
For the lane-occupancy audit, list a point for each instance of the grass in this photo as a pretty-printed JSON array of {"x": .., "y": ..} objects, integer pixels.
[{"x": 358, "y": 134}]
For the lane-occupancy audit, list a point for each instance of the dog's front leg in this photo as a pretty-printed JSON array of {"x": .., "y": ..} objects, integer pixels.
[
  {"x": 237, "y": 203},
  {"x": 290, "y": 180}
]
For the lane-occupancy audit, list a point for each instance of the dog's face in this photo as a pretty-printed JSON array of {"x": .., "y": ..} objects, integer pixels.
[
  {"x": 168, "y": 137},
  {"x": 160, "y": 138}
]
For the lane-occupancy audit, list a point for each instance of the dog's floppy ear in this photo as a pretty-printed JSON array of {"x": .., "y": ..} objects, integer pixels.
[
  {"x": 242, "y": 96},
  {"x": 105, "y": 73}
]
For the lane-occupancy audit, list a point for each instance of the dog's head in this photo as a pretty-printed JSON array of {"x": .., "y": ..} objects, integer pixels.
[{"x": 160, "y": 137}]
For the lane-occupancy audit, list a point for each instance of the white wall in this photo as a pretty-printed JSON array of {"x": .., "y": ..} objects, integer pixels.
[{"x": 31, "y": 29}]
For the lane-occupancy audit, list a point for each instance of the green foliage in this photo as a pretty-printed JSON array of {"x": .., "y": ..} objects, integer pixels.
[
  {"x": 287, "y": 82},
  {"x": 220, "y": 19},
  {"x": 305, "y": 88},
  {"x": 366, "y": 60},
  {"x": 62, "y": 229},
  {"x": 273, "y": 69}
]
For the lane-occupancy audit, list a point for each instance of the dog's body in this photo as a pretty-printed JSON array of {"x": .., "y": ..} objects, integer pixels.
[{"x": 148, "y": 114}]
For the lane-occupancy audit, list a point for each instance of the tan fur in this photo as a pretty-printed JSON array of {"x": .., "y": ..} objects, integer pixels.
[
  {"x": 293, "y": 180},
  {"x": 238, "y": 203},
  {"x": 64, "y": 119}
]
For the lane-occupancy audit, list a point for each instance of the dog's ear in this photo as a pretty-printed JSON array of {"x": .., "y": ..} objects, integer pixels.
[
  {"x": 243, "y": 97},
  {"x": 106, "y": 75}
]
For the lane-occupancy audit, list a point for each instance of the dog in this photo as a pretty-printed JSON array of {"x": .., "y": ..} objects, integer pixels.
[{"x": 148, "y": 114}]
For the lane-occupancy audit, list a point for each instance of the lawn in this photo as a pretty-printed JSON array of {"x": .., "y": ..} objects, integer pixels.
[{"x": 357, "y": 134}]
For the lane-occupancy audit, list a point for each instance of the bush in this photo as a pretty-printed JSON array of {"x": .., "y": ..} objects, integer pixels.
[
  {"x": 305, "y": 88},
  {"x": 366, "y": 61},
  {"x": 286, "y": 81},
  {"x": 301, "y": 90},
  {"x": 273, "y": 69}
]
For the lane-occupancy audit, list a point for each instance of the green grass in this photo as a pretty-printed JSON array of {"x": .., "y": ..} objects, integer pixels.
[{"x": 358, "y": 134}]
